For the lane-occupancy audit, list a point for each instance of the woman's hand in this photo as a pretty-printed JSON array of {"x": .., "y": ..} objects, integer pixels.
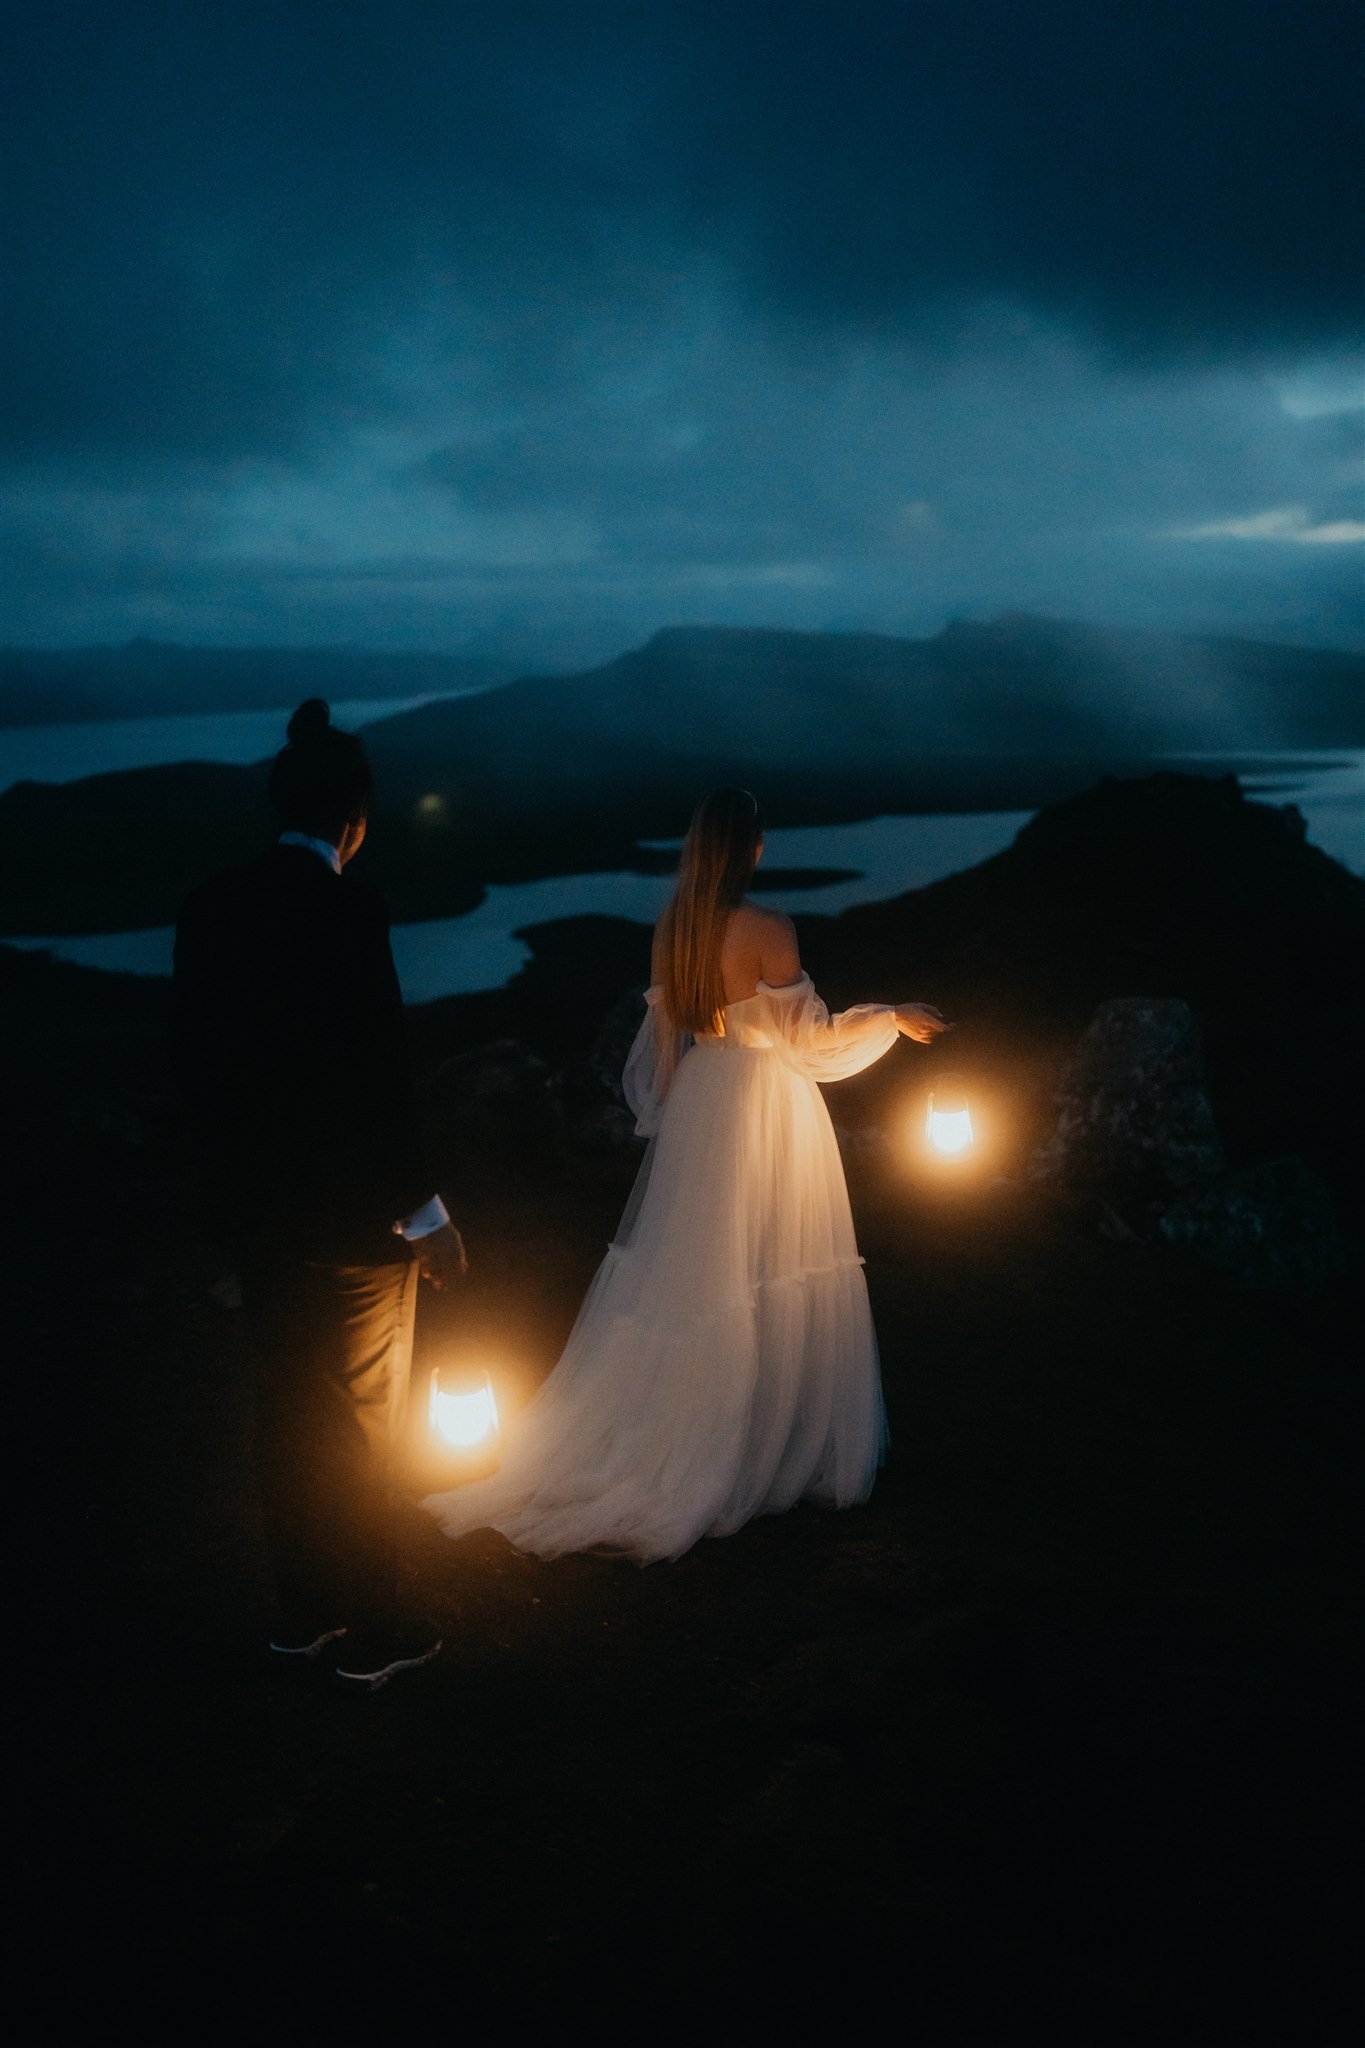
[{"x": 921, "y": 1021}]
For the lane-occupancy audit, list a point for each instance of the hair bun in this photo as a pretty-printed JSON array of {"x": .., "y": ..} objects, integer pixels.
[{"x": 309, "y": 722}]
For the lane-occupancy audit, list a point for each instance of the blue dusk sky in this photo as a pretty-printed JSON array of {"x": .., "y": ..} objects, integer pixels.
[{"x": 525, "y": 329}]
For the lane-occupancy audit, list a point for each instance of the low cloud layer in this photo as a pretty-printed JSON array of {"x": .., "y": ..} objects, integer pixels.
[{"x": 537, "y": 327}]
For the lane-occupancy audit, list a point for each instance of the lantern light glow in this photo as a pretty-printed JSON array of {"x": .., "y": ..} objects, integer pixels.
[
  {"x": 948, "y": 1122},
  {"x": 467, "y": 1421}
]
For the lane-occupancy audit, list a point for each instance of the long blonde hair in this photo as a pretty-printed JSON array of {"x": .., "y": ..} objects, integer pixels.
[{"x": 716, "y": 868}]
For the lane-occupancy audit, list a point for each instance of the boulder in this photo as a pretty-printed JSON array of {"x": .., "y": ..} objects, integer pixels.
[
  {"x": 111, "y": 1120},
  {"x": 592, "y": 1104},
  {"x": 599, "y": 1126},
  {"x": 607, "y": 1058},
  {"x": 1271, "y": 1225},
  {"x": 503, "y": 1074},
  {"x": 1134, "y": 1123}
]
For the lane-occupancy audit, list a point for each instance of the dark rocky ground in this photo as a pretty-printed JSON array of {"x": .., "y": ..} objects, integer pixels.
[{"x": 1053, "y": 1739}]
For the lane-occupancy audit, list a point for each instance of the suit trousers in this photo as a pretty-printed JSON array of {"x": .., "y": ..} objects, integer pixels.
[{"x": 332, "y": 1353}]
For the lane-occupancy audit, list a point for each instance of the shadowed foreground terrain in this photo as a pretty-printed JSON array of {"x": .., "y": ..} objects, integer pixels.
[{"x": 1050, "y": 1740}]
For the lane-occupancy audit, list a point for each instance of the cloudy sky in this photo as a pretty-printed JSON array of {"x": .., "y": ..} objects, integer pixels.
[{"x": 488, "y": 325}]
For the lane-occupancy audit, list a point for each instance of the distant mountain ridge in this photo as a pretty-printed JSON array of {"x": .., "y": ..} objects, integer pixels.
[
  {"x": 951, "y": 691},
  {"x": 567, "y": 774},
  {"x": 155, "y": 678},
  {"x": 735, "y": 703}
]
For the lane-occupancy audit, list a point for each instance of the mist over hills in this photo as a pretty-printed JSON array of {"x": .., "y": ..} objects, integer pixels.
[
  {"x": 556, "y": 775},
  {"x": 965, "y": 686},
  {"x": 719, "y": 701}
]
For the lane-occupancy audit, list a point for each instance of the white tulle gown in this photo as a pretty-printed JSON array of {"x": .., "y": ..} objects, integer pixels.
[{"x": 723, "y": 1364}]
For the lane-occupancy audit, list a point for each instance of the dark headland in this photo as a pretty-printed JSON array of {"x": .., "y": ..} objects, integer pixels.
[
  {"x": 157, "y": 679},
  {"x": 1051, "y": 1741}
]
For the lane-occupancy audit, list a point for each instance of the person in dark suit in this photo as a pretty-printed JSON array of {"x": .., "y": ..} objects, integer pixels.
[{"x": 288, "y": 1041}]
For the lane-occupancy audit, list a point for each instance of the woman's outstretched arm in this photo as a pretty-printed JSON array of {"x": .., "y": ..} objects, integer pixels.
[{"x": 832, "y": 1048}]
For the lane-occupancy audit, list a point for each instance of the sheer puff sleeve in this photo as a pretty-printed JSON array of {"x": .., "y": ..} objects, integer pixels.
[
  {"x": 651, "y": 1064},
  {"x": 822, "y": 1047}
]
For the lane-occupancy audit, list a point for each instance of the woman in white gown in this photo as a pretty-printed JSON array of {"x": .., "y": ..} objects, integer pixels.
[{"x": 723, "y": 1364}]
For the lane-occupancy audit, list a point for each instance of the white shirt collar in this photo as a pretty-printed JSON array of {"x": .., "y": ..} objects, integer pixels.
[{"x": 322, "y": 847}]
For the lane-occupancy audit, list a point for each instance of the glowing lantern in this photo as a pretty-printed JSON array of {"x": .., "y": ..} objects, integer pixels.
[
  {"x": 462, "y": 1411},
  {"x": 948, "y": 1121}
]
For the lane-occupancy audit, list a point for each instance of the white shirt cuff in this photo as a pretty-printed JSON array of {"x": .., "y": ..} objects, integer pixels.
[{"x": 432, "y": 1215}]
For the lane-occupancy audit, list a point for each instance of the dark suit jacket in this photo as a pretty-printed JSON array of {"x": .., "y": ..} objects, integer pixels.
[{"x": 289, "y": 1046}]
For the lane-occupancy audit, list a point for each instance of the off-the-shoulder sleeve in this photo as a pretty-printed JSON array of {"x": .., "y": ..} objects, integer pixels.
[
  {"x": 825, "y": 1048},
  {"x": 651, "y": 1064}
]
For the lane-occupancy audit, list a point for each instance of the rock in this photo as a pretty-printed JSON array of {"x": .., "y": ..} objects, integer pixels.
[
  {"x": 604, "y": 1126},
  {"x": 1135, "y": 1133},
  {"x": 607, "y": 1059},
  {"x": 497, "y": 1075},
  {"x": 110, "y": 1121},
  {"x": 1133, "y": 1118},
  {"x": 1271, "y": 1225},
  {"x": 592, "y": 1104}
]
